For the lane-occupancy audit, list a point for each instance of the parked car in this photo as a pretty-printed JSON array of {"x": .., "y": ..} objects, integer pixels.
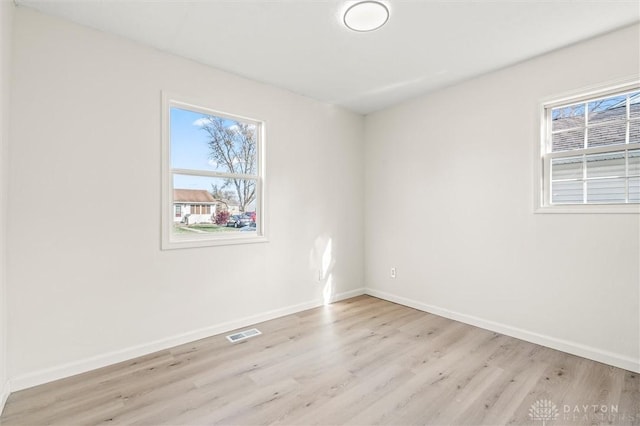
[{"x": 238, "y": 221}]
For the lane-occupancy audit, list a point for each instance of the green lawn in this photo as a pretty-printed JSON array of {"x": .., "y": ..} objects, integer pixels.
[
  {"x": 202, "y": 227},
  {"x": 208, "y": 227}
]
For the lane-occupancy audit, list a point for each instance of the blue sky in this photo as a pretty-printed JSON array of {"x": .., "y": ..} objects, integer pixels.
[
  {"x": 189, "y": 149},
  {"x": 597, "y": 106}
]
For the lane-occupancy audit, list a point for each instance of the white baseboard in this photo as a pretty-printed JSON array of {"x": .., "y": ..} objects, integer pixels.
[
  {"x": 346, "y": 295},
  {"x": 6, "y": 390},
  {"x": 573, "y": 348},
  {"x": 70, "y": 369},
  {"x": 77, "y": 367}
]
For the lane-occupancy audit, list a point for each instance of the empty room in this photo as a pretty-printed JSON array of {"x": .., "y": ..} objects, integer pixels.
[{"x": 320, "y": 212}]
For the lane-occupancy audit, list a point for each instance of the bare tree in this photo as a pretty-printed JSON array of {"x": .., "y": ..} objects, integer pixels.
[
  {"x": 233, "y": 147},
  {"x": 222, "y": 197}
]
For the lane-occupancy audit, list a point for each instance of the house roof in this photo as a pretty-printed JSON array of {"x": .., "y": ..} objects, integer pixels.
[
  {"x": 192, "y": 196},
  {"x": 613, "y": 132},
  {"x": 230, "y": 202}
]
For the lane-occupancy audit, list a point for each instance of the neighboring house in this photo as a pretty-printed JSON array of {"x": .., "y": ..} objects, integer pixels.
[
  {"x": 193, "y": 206},
  {"x": 572, "y": 135},
  {"x": 232, "y": 206}
]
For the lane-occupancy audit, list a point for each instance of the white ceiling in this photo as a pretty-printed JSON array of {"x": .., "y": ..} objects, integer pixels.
[{"x": 302, "y": 46}]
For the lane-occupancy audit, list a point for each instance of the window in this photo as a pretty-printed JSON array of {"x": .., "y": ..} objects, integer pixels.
[
  {"x": 201, "y": 209},
  {"x": 213, "y": 166},
  {"x": 590, "y": 152}
]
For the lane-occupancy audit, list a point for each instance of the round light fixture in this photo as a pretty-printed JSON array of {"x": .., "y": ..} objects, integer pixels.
[{"x": 366, "y": 16}]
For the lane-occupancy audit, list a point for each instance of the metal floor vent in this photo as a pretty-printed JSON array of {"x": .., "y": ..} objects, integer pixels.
[{"x": 236, "y": 337}]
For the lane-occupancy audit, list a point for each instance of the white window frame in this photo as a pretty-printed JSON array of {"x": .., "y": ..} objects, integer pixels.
[
  {"x": 170, "y": 240},
  {"x": 542, "y": 196}
]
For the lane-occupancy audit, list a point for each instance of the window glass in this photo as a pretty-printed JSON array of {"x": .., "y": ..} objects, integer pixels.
[
  {"x": 214, "y": 176},
  {"x": 589, "y": 157}
]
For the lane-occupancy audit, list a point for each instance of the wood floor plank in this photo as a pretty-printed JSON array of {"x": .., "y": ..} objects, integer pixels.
[{"x": 360, "y": 361}]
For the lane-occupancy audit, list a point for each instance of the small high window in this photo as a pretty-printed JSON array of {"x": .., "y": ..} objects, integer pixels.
[{"x": 590, "y": 152}]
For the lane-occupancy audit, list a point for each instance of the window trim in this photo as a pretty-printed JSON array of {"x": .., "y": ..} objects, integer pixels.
[
  {"x": 542, "y": 177},
  {"x": 167, "y": 207}
]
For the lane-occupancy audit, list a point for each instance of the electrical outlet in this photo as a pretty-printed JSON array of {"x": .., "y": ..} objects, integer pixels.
[{"x": 393, "y": 273}]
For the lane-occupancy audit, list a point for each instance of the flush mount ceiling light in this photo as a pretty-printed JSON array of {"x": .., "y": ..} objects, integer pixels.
[{"x": 366, "y": 16}]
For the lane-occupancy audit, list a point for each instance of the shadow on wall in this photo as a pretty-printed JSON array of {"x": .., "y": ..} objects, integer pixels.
[{"x": 321, "y": 262}]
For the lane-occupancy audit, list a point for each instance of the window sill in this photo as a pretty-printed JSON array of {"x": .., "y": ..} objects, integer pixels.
[
  {"x": 182, "y": 243},
  {"x": 591, "y": 208}
]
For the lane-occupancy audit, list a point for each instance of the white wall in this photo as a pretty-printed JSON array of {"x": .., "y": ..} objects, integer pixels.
[
  {"x": 88, "y": 284},
  {"x": 465, "y": 240},
  {"x": 6, "y": 29}
]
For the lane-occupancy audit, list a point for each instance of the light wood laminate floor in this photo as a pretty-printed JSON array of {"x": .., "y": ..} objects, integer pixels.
[{"x": 361, "y": 361}]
